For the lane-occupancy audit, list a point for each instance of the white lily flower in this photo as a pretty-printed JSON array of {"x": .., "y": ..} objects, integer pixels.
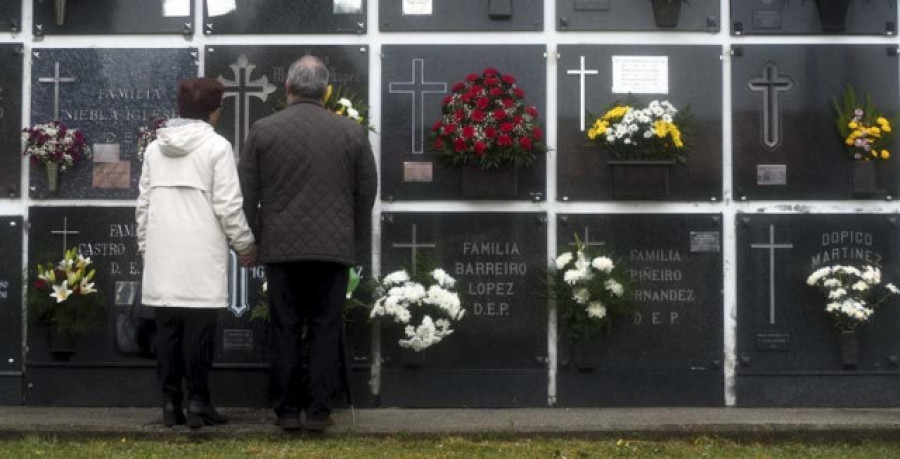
[
  {"x": 61, "y": 292},
  {"x": 345, "y": 102}
]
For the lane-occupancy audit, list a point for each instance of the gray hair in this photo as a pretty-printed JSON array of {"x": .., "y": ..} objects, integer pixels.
[{"x": 308, "y": 78}]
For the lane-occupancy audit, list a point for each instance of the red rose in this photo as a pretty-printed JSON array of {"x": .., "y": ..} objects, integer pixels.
[
  {"x": 472, "y": 77},
  {"x": 525, "y": 143},
  {"x": 508, "y": 102},
  {"x": 532, "y": 110},
  {"x": 490, "y": 132},
  {"x": 508, "y": 79},
  {"x": 490, "y": 71},
  {"x": 476, "y": 89},
  {"x": 537, "y": 133},
  {"x": 459, "y": 115},
  {"x": 506, "y": 127},
  {"x": 468, "y": 132},
  {"x": 491, "y": 81},
  {"x": 459, "y": 145},
  {"x": 482, "y": 103},
  {"x": 466, "y": 98},
  {"x": 519, "y": 93},
  {"x": 499, "y": 115},
  {"x": 40, "y": 284},
  {"x": 437, "y": 126},
  {"x": 495, "y": 92},
  {"x": 480, "y": 147},
  {"x": 517, "y": 119},
  {"x": 477, "y": 116},
  {"x": 504, "y": 140},
  {"x": 438, "y": 144},
  {"x": 449, "y": 128},
  {"x": 447, "y": 100},
  {"x": 458, "y": 87}
]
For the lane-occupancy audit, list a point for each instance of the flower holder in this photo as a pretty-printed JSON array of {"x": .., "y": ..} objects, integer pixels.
[
  {"x": 411, "y": 359},
  {"x": 52, "y": 177},
  {"x": 59, "y": 12},
  {"x": 666, "y": 13},
  {"x": 62, "y": 346},
  {"x": 640, "y": 180},
  {"x": 492, "y": 184},
  {"x": 499, "y": 9},
  {"x": 833, "y": 14},
  {"x": 849, "y": 349},
  {"x": 585, "y": 356},
  {"x": 863, "y": 179}
]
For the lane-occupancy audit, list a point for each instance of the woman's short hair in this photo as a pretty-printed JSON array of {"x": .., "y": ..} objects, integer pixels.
[
  {"x": 198, "y": 97},
  {"x": 308, "y": 78}
]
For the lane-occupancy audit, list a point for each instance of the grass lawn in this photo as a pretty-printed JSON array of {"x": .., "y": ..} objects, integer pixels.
[{"x": 461, "y": 447}]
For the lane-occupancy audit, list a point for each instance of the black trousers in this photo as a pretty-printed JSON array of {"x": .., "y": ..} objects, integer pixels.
[
  {"x": 185, "y": 343},
  {"x": 309, "y": 293}
]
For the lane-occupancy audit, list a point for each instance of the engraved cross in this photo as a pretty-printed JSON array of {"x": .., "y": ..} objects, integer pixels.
[
  {"x": 241, "y": 89},
  {"x": 582, "y": 73},
  {"x": 770, "y": 83},
  {"x": 414, "y": 246},
  {"x": 417, "y": 88},
  {"x": 771, "y": 247},
  {"x": 65, "y": 232},
  {"x": 56, "y": 80}
]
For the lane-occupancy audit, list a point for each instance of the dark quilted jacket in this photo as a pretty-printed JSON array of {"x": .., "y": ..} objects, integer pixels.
[{"x": 309, "y": 183}]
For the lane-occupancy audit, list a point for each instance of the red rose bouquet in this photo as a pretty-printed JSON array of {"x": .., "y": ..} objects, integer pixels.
[{"x": 486, "y": 124}]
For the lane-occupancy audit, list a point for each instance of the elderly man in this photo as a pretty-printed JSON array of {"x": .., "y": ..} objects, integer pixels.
[{"x": 309, "y": 182}]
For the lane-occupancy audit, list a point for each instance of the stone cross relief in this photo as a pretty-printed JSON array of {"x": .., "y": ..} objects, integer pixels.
[
  {"x": 414, "y": 245},
  {"x": 56, "y": 79},
  {"x": 770, "y": 84},
  {"x": 582, "y": 73},
  {"x": 238, "y": 286},
  {"x": 771, "y": 247},
  {"x": 65, "y": 232},
  {"x": 417, "y": 87},
  {"x": 586, "y": 239},
  {"x": 242, "y": 89}
]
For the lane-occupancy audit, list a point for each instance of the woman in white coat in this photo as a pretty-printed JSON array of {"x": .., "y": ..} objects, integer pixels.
[{"x": 188, "y": 211}]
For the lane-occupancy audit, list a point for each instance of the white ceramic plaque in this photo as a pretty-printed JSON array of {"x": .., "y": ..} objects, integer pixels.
[
  {"x": 347, "y": 7},
  {"x": 220, "y": 7},
  {"x": 640, "y": 74},
  {"x": 176, "y": 8},
  {"x": 417, "y": 7}
]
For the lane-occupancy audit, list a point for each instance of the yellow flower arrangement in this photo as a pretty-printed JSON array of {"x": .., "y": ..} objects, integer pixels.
[
  {"x": 866, "y": 132},
  {"x": 651, "y": 133}
]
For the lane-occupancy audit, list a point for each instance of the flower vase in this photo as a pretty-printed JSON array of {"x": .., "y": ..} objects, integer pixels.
[
  {"x": 412, "y": 359},
  {"x": 59, "y": 12},
  {"x": 492, "y": 184},
  {"x": 52, "y": 176},
  {"x": 62, "y": 346},
  {"x": 666, "y": 13},
  {"x": 833, "y": 14},
  {"x": 640, "y": 180},
  {"x": 863, "y": 179},
  {"x": 849, "y": 349}
]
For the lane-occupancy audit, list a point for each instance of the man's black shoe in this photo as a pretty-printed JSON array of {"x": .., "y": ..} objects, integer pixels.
[
  {"x": 200, "y": 414},
  {"x": 173, "y": 415}
]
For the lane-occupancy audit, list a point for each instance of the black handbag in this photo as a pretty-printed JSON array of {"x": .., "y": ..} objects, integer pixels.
[{"x": 136, "y": 329}]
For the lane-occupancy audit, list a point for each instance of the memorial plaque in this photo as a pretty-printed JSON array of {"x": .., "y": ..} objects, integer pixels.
[
  {"x": 10, "y": 120},
  {"x": 669, "y": 350},
  {"x": 415, "y": 80},
  {"x": 108, "y": 94},
  {"x": 11, "y": 232},
  {"x": 254, "y": 79},
  {"x": 683, "y": 16},
  {"x": 495, "y": 356},
  {"x": 785, "y": 143},
  {"x": 460, "y": 15},
  {"x": 786, "y": 17},
  {"x": 588, "y": 77},
  {"x": 788, "y": 347},
  {"x": 284, "y": 17},
  {"x": 11, "y": 16},
  {"x": 107, "y": 17}
]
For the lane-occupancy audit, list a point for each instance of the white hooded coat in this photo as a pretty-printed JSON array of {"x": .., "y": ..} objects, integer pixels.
[{"x": 189, "y": 209}]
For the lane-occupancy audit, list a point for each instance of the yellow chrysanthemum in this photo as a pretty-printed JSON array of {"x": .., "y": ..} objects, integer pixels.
[
  {"x": 615, "y": 113},
  {"x": 882, "y": 121},
  {"x": 885, "y": 154},
  {"x": 853, "y": 125},
  {"x": 592, "y": 134}
]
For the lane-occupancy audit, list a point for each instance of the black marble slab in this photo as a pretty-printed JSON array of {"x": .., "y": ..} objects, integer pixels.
[
  {"x": 499, "y": 262},
  {"x": 254, "y": 77},
  {"x": 788, "y": 350},
  {"x": 415, "y": 79},
  {"x": 461, "y": 15},
  {"x": 637, "y": 15},
  {"x": 11, "y": 16},
  {"x": 785, "y": 143},
  {"x": 669, "y": 351},
  {"x": 786, "y": 17},
  {"x": 11, "y": 59},
  {"x": 583, "y": 171},
  {"x": 11, "y": 232},
  {"x": 110, "y": 17},
  {"x": 286, "y": 17},
  {"x": 108, "y": 94}
]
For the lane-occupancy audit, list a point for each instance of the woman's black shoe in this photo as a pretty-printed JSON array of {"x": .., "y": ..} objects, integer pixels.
[
  {"x": 173, "y": 415},
  {"x": 200, "y": 414}
]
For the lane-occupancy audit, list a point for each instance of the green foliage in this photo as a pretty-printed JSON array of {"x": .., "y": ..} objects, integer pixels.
[{"x": 72, "y": 318}]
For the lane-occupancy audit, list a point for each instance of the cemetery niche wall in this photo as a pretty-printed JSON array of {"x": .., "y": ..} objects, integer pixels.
[
  {"x": 102, "y": 17},
  {"x": 107, "y": 94},
  {"x": 497, "y": 355},
  {"x": 11, "y": 310},
  {"x": 785, "y": 141},
  {"x": 787, "y": 17},
  {"x": 415, "y": 82},
  {"x": 790, "y": 351},
  {"x": 460, "y": 15},
  {"x": 668, "y": 349},
  {"x": 10, "y": 120},
  {"x": 640, "y": 15},
  {"x": 284, "y": 17},
  {"x": 591, "y": 79},
  {"x": 11, "y": 16}
]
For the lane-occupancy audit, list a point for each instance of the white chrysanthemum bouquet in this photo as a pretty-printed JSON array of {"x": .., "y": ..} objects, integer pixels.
[
  {"x": 850, "y": 292},
  {"x": 591, "y": 289},
  {"x": 654, "y": 132},
  {"x": 426, "y": 312}
]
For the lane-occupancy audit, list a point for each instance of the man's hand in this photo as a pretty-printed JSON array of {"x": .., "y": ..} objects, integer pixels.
[{"x": 249, "y": 258}]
